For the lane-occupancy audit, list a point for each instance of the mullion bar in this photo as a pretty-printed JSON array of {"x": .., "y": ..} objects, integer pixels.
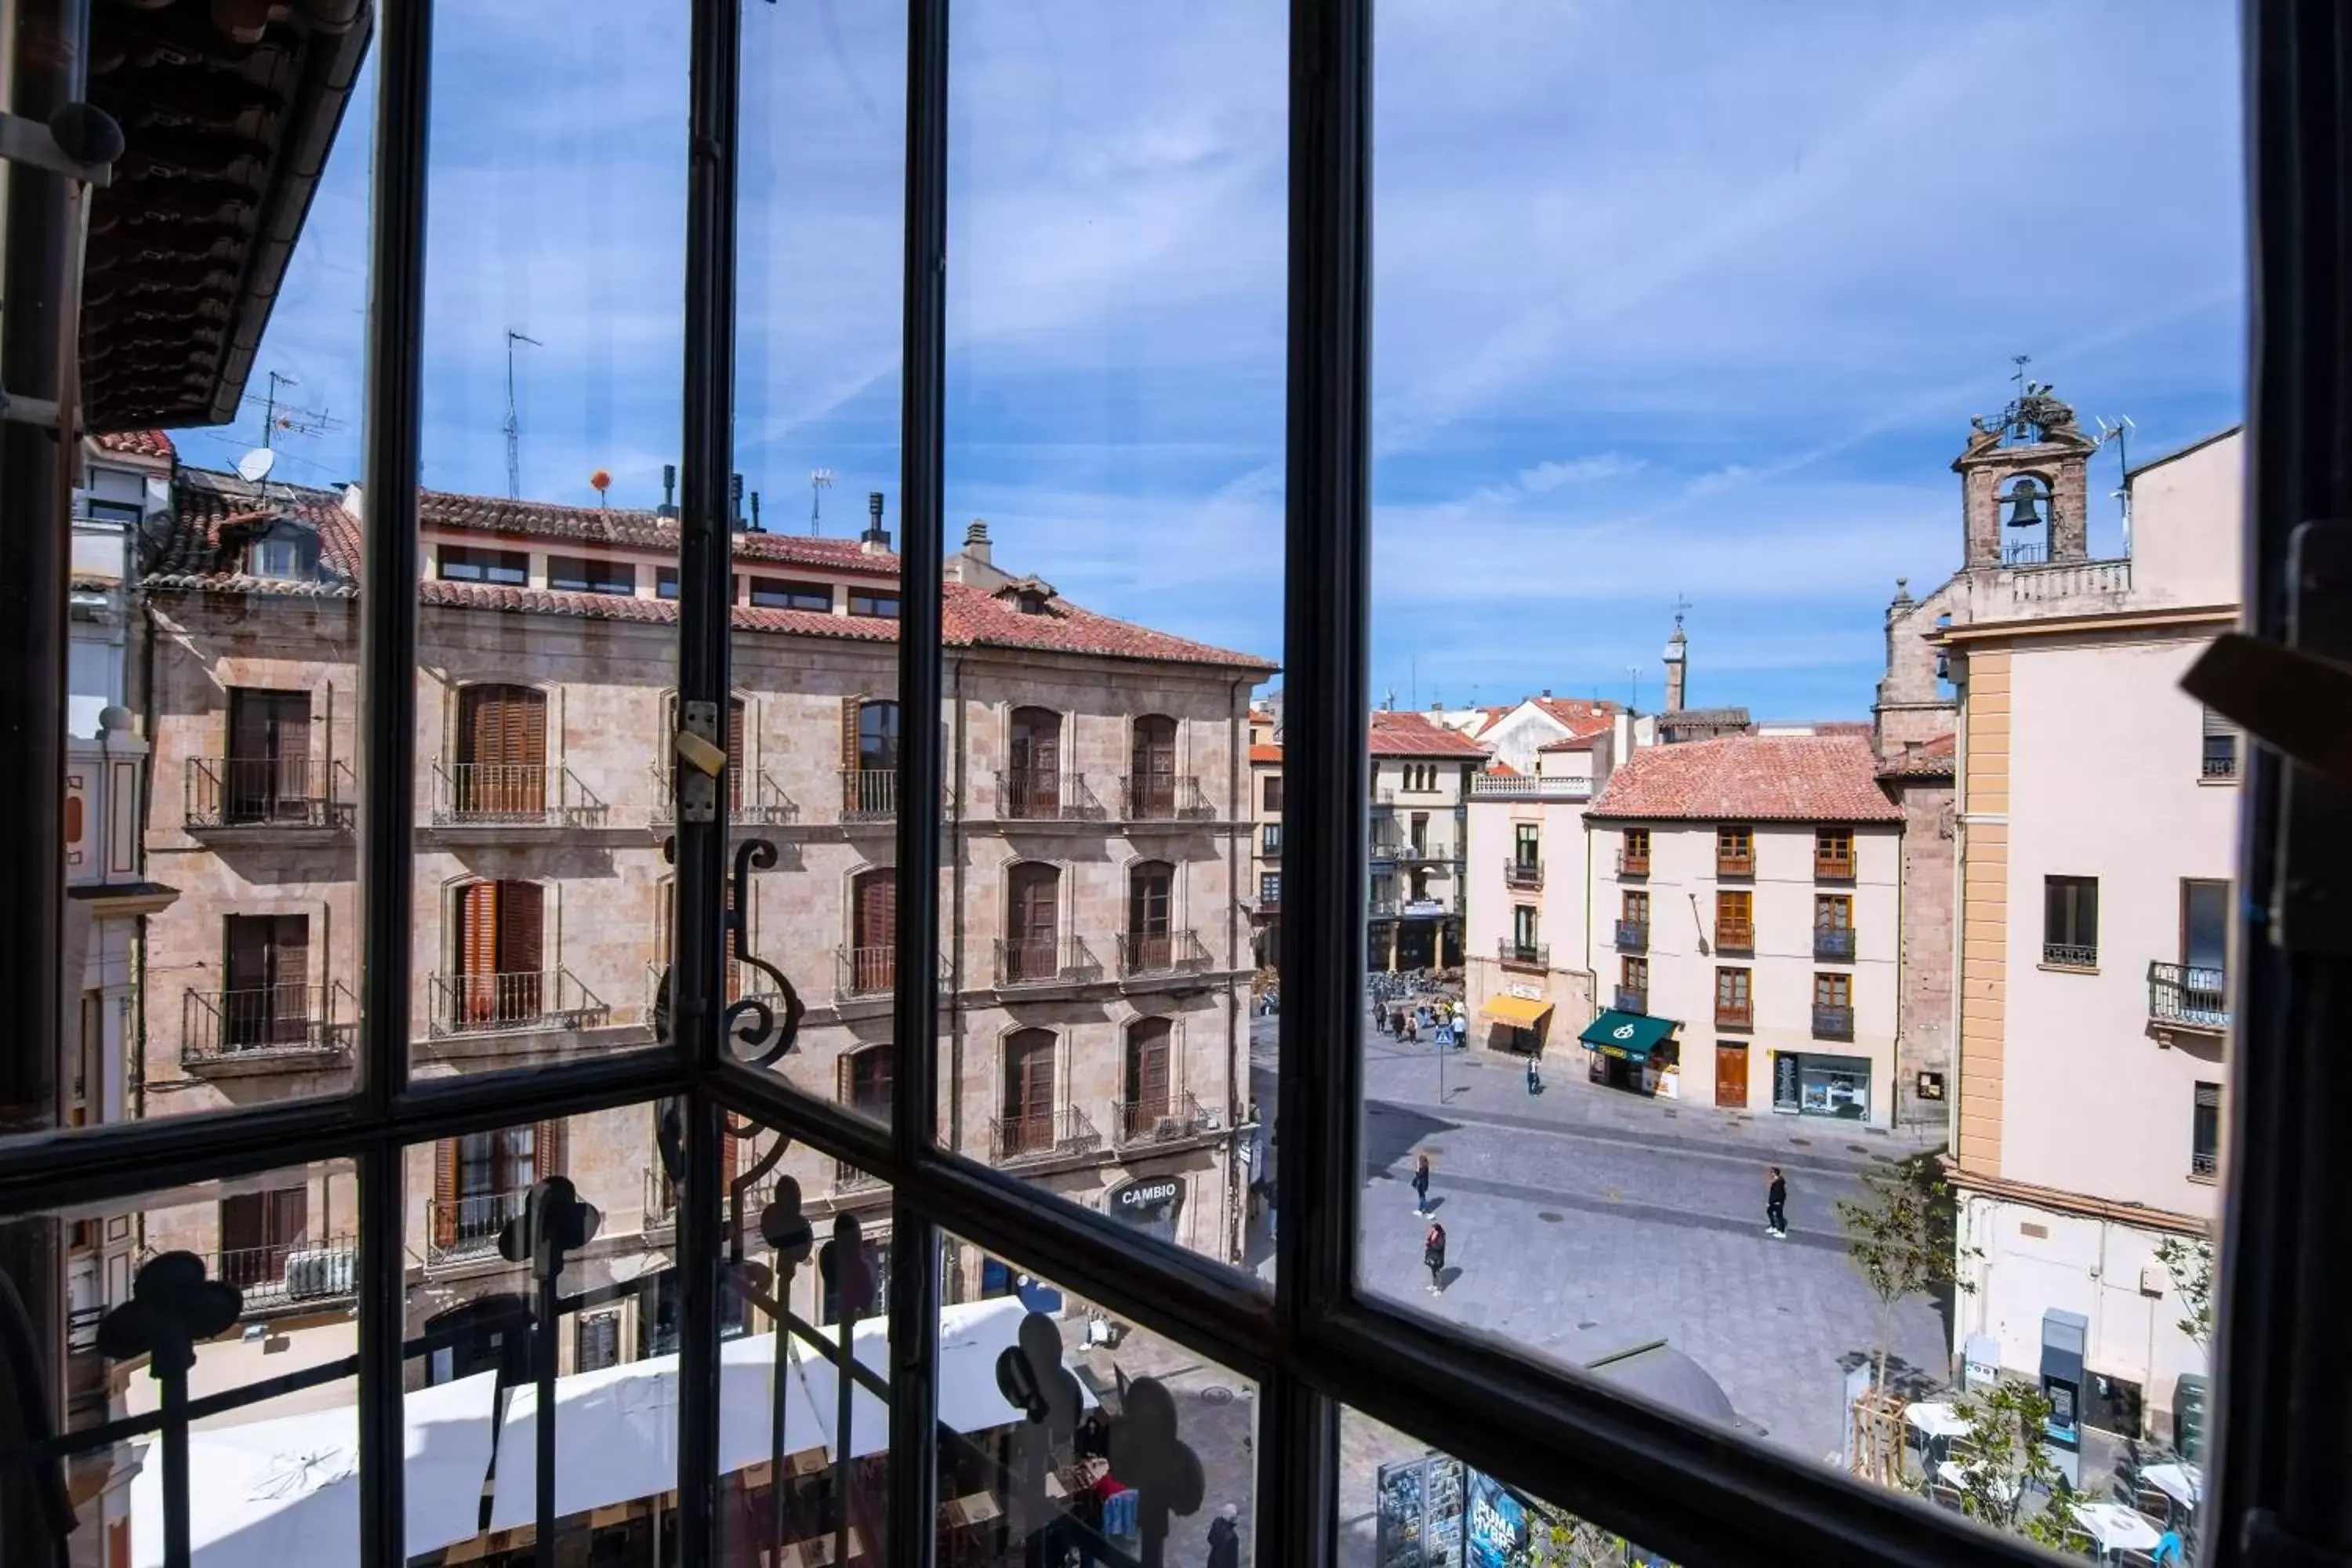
[{"x": 382, "y": 1369}]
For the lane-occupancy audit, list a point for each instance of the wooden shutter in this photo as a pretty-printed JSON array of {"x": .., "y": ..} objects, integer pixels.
[
  {"x": 735, "y": 755},
  {"x": 289, "y": 976},
  {"x": 444, "y": 1193},
  {"x": 289, "y": 1209},
  {"x": 1029, "y": 1086},
  {"x": 1037, "y": 1082},
  {"x": 1147, "y": 1067},
  {"x": 546, "y": 1149},
  {"x": 477, "y": 952},
  {"x": 521, "y": 954}
]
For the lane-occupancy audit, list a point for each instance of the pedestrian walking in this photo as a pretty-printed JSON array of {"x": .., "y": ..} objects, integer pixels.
[
  {"x": 1535, "y": 1076},
  {"x": 1776, "y": 1205},
  {"x": 1432, "y": 1252},
  {"x": 1225, "y": 1539},
  {"x": 1420, "y": 1186}
]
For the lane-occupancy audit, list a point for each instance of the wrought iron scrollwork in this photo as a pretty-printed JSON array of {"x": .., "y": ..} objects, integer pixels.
[{"x": 756, "y": 1035}]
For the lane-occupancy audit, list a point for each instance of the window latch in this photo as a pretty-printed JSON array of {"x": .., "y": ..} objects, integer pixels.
[{"x": 703, "y": 759}]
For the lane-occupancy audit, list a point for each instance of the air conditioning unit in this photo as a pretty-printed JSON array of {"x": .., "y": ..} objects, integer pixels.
[{"x": 323, "y": 1271}]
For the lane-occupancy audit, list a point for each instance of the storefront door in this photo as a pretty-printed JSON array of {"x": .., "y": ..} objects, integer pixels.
[{"x": 1730, "y": 1075}]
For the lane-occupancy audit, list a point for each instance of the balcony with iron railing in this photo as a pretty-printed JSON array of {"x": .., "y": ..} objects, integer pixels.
[
  {"x": 1633, "y": 936},
  {"x": 287, "y": 1274},
  {"x": 1062, "y": 1133},
  {"x": 2069, "y": 955},
  {"x": 468, "y": 1004},
  {"x": 465, "y": 1228},
  {"x": 1733, "y": 934},
  {"x": 864, "y": 971},
  {"x": 871, "y": 794},
  {"x": 268, "y": 793},
  {"x": 1387, "y": 848},
  {"x": 1163, "y": 797},
  {"x": 2188, "y": 997},
  {"x": 1044, "y": 795},
  {"x": 1632, "y": 862},
  {"x": 1143, "y": 953},
  {"x": 1063, "y": 961},
  {"x": 1523, "y": 954},
  {"x": 1520, "y": 872},
  {"x": 1833, "y": 1022},
  {"x": 265, "y": 1029},
  {"x": 512, "y": 795},
  {"x": 1735, "y": 862},
  {"x": 1168, "y": 1119},
  {"x": 1632, "y": 999},
  {"x": 1383, "y": 909},
  {"x": 1734, "y": 1015},
  {"x": 768, "y": 805},
  {"x": 1831, "y": 865},
  {"x": 2204, "y": 1164},
  {"x": 1833, "y": 944}
]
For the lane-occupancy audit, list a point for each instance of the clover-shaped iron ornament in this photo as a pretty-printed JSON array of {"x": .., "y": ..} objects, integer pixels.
[
  {"x": 1031, "y": 1376},
  {"x": 172, "y": 1308},
  {"x": 840, "y": 1263},
  {"x": 1147, "y": 1454},
  {"x": 555, "y": 1221},
  {"x": 785, "y": 1228}
]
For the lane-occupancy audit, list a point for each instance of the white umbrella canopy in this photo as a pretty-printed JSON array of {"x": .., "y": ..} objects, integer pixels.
[{"x": 271, "y": 1494}]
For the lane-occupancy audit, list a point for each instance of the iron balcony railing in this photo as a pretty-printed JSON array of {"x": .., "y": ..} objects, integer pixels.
[
  {"x": 269, "y": 1020},
  {"x": 285, "y": 1273},
  {"x": 1172, "y": 1116},
  {"x": 1833, "y": 864},
  {"x": 1833, "y": 944},
  {"x": 2203, "y": 1163},
  {"x": 1632, "y": 862},
  {"x": 1044, "y": 962},
  {"x": 1833, "y": 1022},
  {"x": 769, "y": 805},
  {"x": 2068, "y": 955},
  {"x": 1633, "y": 999},
  {"x": 1734, "y": 1016},
  {"x": 1734, "y": 935},
  {"x": 1735, "y": 862},
  {"x": 2188, "y": 996},
  {"x": 869, "y": 794},
  {"x": 1160, "y": 953},
  {"x": 457, "y": 1229},
  {"x": 661, "y": 1198},
  {"x": 1522, "y": 873},
  {"x": 864, "y": 971},
  {"x": 512, "y": 795},
  {"x": 468, "y": 1003},
  {"x": 268, "y": 792},
  {"x": 1382, "y": 909},
  {"x": 1633, "y": 936},
  {"x": 1163, "y": 797},
  {"x": 1387, "y": 846},
  {"x": 2219, "y": 762},
  {"x": 1533, "y": 954},
  {"x": 1063, "y": 1132},
  {"x": 1040, "y": 795}
]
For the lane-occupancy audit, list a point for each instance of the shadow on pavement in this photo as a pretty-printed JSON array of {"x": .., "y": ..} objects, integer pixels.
[{"x": 1391, "y": 1132}]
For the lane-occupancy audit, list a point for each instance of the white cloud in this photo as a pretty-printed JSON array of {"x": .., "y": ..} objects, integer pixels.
[{"x": 1551, "y": 475}]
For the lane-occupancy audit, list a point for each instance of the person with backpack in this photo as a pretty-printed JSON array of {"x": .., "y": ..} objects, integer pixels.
[
  {"x": 1432, "y": 1252},
  {"x": 1421, "y": 1186}
]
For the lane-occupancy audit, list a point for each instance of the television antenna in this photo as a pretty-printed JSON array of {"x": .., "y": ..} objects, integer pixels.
[
  {"x": 2119, "y": 430},
  {"x": 514, "y": 421},
  {"x": 278, "y": 414},
  {"x": 820, "y": 481},
  {"x": 254, "y": 466}
]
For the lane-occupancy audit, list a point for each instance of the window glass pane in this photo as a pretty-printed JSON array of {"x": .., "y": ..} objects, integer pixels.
[
  {"x": 475, "y": 1205},
  {"x": 261, "y": 1272},
  {"x": 1129, "y": 1440},
  {"x": 817, "y": 253},
  {"x": 1661, "y": 376},
  {"x": 547, "y": 655},
  {"x": 1112, "y": 611}
]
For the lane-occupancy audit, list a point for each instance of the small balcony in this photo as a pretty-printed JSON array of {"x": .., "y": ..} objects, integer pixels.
[
  {"x": 1145, "y": 954},
  {"x": 272, "y": 1028},
  {"x": 288, "y": 1274},
  {"x": 2204, "y": 1164},
  {"x": 1833, "y": 944},
  {"x": 1523, "y": 954},
  {"x": 1833, "y": 1022},
  {"x": 1732, "y": 935},
  {"x": 1063, "y": 1132},
  {"x": 2064, "y": 955},
  {"x": 1169, "y": 1118},
  {"x": 461, "y": 1229},
  {"x": 1382, "y": 909},
  {"x": 1033, "y": 794},
  {"x": 1735, "y": 862},
  {"x": 1833, "y": 864},
  {"x": 1632, "y": 862},
  {"x": 661, "y": 1199},
  {"x": 2185, "y": 997},
  {"x": 1632, "y": 999},
  {"x": 1163, "y": 797},
  {"x": 1735, "y": 1016},
  {"x": 267, "y": 794},
  {"x": 513, "y": 1003},
  {"x": 1633, "y": 936},
  {"x": 864, "y": 971},
  {"x": 869, "y": 794},
  {"x": 1387, "y": 848},
  {"x": 1522, "y": 873},
  {"x": 769, "y": 805},
  {"x": 1068, "y": 960},
  {"x": 512, "y": 795}
]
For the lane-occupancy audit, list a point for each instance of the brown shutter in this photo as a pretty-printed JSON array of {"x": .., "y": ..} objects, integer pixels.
[
  {"x": 1147, "y": 1067},
  {"x": 444, "y": 1193},
  {"x": 520, "y": 951},
  {"x": 477, "y": 949},
  {"x": 546, "y": 1149},
  {"x": 288, "y": 1218},
  {"x": 290, "y": 965},
  {"x": 1037, "y": 1084},
  {"x": 244, "y": 957},
  {"x": 735, "y": 755}
]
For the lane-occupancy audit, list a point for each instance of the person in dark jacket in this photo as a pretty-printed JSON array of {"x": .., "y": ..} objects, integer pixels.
[
  {"x": 1432, "y": 1252},
  {"x": 1225, "y": 1539},
  {"x": 1421, "y": 1186},
  {"x": 1776, "y": 1205}
]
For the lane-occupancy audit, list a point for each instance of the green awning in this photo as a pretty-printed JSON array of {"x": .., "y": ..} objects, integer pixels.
[{"x": 1633, "y": 1036}]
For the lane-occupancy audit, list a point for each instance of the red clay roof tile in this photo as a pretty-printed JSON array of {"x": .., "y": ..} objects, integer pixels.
[
  {"x": 1412, "y": 734},
  {"x": 1751, "y": 778},
  {"x": 137, "y": 444}
]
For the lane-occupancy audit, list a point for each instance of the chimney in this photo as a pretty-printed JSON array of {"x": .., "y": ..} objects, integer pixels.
[
  {"x": 975, "y": 541},
  {"x": 1678, "y": 646},
  {"x": 755, "y": 513},
  {"x": 1546, "y": 692},
  {"x": 669, "y": 492},
  {"x": 735, "y": 502},
  {"x": 876, "y": 536}
]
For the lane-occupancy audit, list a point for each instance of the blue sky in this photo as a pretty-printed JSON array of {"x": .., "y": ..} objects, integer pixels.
[{"x": 1671, "y": 298}]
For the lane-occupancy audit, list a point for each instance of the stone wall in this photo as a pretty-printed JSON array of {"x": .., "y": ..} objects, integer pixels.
[{"x": 1923, "y": 1038}]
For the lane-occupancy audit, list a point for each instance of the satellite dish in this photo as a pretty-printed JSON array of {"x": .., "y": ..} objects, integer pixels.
[{"x": 254, "y": 466}]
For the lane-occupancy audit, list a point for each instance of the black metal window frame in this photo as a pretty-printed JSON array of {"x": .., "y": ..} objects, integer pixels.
[{"x": 1316, "y": 1342}]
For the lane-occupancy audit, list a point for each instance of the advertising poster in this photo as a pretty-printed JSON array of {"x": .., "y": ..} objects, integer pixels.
[{"x": 1497, "y": 1529}]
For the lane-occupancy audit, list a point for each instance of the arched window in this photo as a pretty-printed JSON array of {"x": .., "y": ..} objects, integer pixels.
[
  {"x": 869, "y": 758},
  {"x": 1151, "y": 769},
  {"x": 872, "y": 961},
  {"x": 2027, "y": 511},
  {"x": 1146, "y": 1091},
  {"x": 1151, "y": 888},
  {"x": 865, "y": 1079},
  {"x": 501, "y": 752},
  {"x": 1027, "y": 1124},
  {"x": 1032, "y": 784},
  {"x": 499, "y": 958},
  {"x": 1033, "y": 923}
]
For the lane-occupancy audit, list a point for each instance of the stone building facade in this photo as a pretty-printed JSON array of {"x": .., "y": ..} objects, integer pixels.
[{"x": 1420, "y": 772}]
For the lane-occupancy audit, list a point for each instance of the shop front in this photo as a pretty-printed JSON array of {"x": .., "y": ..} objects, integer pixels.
[
  {"x": 1808, "y": 1083},
  {"x": 1633, "y": 1051},
  {"x": 1148, "y": 1204},
  {"x": 1519, "y": 1020}
]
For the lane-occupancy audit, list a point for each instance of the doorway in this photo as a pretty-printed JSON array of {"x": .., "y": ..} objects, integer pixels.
[{"x": 1730, "y": 1075}]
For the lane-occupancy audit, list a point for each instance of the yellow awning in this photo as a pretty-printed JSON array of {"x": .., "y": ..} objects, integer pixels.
[{"x": 1519, "y": 1012}]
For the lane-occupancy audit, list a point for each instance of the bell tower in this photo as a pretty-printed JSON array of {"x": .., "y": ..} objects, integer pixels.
[{"x": 2024, "y": 483}]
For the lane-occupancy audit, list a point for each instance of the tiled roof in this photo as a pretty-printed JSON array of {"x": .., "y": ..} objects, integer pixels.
[
  {"x": 1582, "y": 715},
  {"x": 1412, "y": 734},
  {"x": 1705, "y": 718},
  {"x": 1262, "y": 753},
  {"x": 1933, "y": 759},
  {"x": 970, "y": 618},
  {"x": 638, "y": 529},
  {"x": 1572, "y": 744},
  {"x": 1501, "y": 770},
  {"x": 217, "y": 512},
  {"x": 137, "y": 444},
  {"x": 1751, "y": 778}
]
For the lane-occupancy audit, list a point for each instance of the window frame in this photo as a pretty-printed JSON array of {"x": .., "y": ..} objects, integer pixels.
[
  {"x": 785, "y": 590},
  {"x": 1317, "y": 1340},
  {"x": 593, "y": 574},
  {"x": 484, "y": 560}
]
